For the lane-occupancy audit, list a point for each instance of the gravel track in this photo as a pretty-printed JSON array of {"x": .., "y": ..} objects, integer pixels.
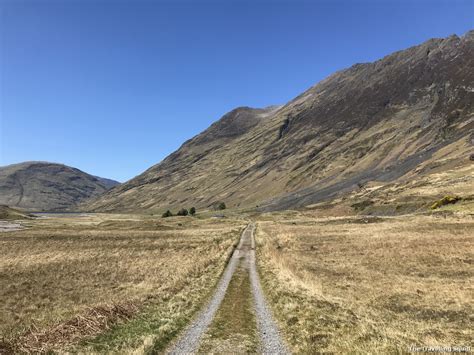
[
  {"x": 189, "y": 341},
  {"x": 270, "y": 340}
]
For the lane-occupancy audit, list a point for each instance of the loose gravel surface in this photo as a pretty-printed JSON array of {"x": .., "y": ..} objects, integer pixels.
[
  {"x": 189, "y": 341},
  {"x": 270, "y": 340}
]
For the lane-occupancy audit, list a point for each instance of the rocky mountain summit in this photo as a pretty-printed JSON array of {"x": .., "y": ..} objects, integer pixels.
[{"x": 396, "y": 118}]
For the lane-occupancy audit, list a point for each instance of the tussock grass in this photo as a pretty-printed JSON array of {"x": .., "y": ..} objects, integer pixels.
[
  {"x": 92, "y": 280},
  {"x": 337, "y": 285}
]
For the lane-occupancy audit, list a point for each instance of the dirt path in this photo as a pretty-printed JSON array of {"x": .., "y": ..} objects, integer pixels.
[{"x": 237, "y": 319}]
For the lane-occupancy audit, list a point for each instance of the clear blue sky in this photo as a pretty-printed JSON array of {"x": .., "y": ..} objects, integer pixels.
[{"x": 113, "y": 87}]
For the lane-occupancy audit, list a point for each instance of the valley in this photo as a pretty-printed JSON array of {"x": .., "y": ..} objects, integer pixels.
[
  {"x": 339, "y": 222},
  {"x": 334, "y": 278}
]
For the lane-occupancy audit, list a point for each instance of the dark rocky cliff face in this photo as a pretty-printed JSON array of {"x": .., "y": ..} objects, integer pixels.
[
  {"x": 438, "y": 75},
  {"x": 438, "y": 72},
  {"x": 373, "y": 121}
]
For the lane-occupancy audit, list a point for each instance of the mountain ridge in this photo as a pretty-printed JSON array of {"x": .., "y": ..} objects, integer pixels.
[{"x": 367, "y": 122}]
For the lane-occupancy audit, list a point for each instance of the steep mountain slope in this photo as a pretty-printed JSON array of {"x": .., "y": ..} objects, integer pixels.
[
  {"x": 372, "y": 122},
  {"x": 108, "y": 183},
  {"x": 43, "y": 186}
]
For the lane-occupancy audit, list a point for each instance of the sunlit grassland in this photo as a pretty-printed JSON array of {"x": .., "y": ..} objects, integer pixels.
[
  {"x": 369, "y": 284},
  {"x": 107, "y": 282}
]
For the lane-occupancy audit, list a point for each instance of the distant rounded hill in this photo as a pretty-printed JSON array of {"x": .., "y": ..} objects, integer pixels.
[{"x": 44, "y": 186}]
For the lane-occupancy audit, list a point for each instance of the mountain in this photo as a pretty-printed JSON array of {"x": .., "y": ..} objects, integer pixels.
[
  {"x": 108, "y": 183},
  {"x": 371, "y": 122},
  {"x": 43, "y": 186}
]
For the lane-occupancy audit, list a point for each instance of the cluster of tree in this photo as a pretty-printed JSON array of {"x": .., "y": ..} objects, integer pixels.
[{"x": 181, "y": 212}]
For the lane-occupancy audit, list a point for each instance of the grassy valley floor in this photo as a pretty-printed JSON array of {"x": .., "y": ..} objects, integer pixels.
[
  {"x": 337, "y": 280},
  {"x": 369, "y": 284},
  {"x": 107, "y": 282}
]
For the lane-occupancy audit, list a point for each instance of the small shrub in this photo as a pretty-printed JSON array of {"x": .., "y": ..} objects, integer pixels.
[
  {"x": 182, "y": 212},
  {"x": 446, "y": 200},
  {"x": 167, "y": 214},
  {"x": 219, "y": 206},
  {"x": 359, "y": 206},
  {"x": 192, "y": 211}
]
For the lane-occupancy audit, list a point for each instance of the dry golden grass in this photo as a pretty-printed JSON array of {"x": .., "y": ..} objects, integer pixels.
[
  {"x": 369, "y": 284},
  {"x": 64, "y": 271},
  {"x": 442, "y": 177}
]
